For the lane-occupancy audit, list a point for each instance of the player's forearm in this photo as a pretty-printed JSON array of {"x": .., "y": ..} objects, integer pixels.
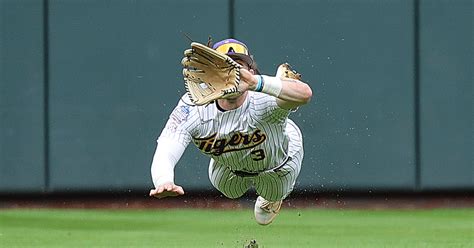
[
  {"x": 167, "y": 154},
  {"x": 295, "y": 91},
  {"x": 290, "y": 93}
]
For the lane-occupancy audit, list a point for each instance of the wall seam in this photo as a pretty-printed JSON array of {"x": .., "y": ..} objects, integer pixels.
[
  {"x": 416, "y": 62},
  {"x": 46, "y": 95}
]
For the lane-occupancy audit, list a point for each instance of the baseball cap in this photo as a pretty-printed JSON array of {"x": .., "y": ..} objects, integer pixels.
[{"x": 236, "y": 50}]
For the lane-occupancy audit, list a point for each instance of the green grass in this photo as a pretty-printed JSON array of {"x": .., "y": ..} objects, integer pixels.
[{"x": 234, "y": 228}]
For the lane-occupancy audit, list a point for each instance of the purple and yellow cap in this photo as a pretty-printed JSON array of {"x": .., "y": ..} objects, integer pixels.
[{"x": 236, "y": 50}]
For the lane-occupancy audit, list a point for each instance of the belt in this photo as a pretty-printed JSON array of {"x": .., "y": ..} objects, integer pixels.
[{"x": 256, "y": 173}]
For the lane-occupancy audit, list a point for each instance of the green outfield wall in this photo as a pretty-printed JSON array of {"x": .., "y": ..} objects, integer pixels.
[
  {"x": 22, "y": 97},
  {"x": 86, "y": 87},
  {"x": 446, "y": 95}
]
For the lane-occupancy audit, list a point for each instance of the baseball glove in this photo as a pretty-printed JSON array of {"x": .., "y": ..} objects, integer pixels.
[
  {"x": 209, "y": 75},
  {"x": 285, "y": 71}
]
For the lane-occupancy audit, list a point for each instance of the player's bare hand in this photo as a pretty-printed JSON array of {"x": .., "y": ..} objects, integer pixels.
[{"x": 167, "y": 189}]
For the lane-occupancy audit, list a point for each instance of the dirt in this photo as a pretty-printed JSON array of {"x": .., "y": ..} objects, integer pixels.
[{"x": 213, "y": 200}]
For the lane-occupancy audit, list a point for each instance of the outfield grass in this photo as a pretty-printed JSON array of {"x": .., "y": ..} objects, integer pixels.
[{"x": 234, "y": 228}]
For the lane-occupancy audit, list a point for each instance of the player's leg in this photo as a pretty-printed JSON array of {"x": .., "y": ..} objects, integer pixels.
[
  {"x": 277, "y": 185},
  {"x": 274, "y": 186},
  {"x": 224, "y": 180}
]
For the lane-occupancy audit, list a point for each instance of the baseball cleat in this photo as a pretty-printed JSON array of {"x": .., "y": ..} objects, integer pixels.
[{"x": 265, "y": 211}]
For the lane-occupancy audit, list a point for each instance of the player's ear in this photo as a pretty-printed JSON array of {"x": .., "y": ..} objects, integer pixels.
[{"x": 252, "y": 71}]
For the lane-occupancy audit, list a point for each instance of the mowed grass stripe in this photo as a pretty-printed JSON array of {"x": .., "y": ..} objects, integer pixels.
[{"x": 234, "y": 228}]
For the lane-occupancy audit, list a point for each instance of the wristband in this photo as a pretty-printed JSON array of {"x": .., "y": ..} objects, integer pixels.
[
  {"x": 259, "y": 86},
  {"x": 271, "y": 85}
]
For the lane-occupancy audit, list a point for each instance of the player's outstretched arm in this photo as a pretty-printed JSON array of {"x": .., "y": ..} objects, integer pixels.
[
  {"x": 167, "y": 189},
  {"x": 290, "y": 93},
  {"x": 293, "y": 93},
  {"x": 171, "y": 144},
  {"x": 167, "y": 154}
]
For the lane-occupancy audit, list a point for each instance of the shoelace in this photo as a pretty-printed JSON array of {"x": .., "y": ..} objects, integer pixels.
[{"x": 271, "y": 207}]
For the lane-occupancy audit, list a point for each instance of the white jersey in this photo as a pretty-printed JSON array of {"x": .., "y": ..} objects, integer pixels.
[
  {"x": 255, "y": 145},
  {"x": 251, "y": 138}
]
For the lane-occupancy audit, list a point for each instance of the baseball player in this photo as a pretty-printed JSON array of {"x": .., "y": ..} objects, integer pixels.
[{"x": 249, "y": 138}]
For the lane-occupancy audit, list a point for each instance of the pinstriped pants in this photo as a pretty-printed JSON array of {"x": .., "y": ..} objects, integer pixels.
[{"x": 271, "y": 185}]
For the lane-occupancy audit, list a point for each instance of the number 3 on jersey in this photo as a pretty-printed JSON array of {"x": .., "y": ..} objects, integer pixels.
[{"x": 258, "y": 155}]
